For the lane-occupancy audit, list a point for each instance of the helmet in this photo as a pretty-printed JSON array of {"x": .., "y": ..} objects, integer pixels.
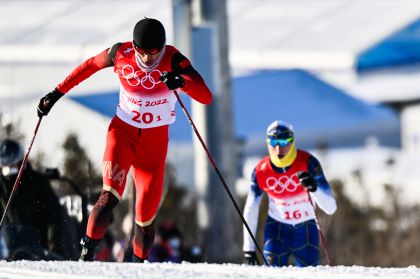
[
  {"x": 149, "y": 33},
  {"x": 11, "y": 153},
  {"x": 280, "y": 130}
]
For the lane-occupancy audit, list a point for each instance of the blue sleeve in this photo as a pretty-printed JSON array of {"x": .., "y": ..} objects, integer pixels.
[
  {"x": 255, "y": 188},
  {"x": 315, "y": 170}
]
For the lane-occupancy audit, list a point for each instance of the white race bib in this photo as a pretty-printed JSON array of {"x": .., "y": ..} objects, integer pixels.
[
  {"x": 292, "y": 210},
  {"x": 143, "y": 110}
]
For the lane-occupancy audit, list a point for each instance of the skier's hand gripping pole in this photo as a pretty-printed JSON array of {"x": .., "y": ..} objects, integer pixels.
[
  {"x": 48, "y": 101},
  {"x": 22, "y": 167},
  {"x": 213, "y": 163}
]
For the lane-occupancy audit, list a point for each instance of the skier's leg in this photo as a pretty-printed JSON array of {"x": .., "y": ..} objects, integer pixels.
[
  {"x": 143, "y": 241},
  {"x": 306, "y": 244},
  {"x": 97, "y": 224},
  {"x": 276, "y": 239},
  {"x": 116, "y": 164},
  {"x": 148, "y": 170},
  {"x": 101, "y": 214},
  {"x": 147, "y": 203}
]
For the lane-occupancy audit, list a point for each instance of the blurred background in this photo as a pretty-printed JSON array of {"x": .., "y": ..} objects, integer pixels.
[{"x": 345, "y": 73}]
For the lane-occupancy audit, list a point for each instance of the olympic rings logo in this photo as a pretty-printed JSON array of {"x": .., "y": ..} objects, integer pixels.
[
  {"x": 148, "y": 81},
  {"x": 279, "y": 185}
]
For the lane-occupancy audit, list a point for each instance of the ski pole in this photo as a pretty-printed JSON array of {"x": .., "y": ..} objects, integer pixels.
[
  {"x": 213, "y": 163},
  {"x": 22, "y": 167},
  {"x": 324, "y": 243}
]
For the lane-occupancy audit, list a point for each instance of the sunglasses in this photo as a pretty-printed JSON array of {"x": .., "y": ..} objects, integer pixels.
[
  {"x": 146, "y": 51},
  {"x": 282, "y": 142}
]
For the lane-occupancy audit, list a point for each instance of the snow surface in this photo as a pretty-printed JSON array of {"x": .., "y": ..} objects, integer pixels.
[{"x": 91, "y": 270}]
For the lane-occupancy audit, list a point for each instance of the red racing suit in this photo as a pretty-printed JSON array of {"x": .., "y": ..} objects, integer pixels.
[
  {"x": 290, "y": 223},
  {"x": 138, "y": 135}
]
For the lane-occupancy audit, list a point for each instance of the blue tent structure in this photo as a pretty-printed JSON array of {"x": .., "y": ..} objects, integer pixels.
[
  {"x": 400, "y": 48},
  {"x": 320, "y": 112}
]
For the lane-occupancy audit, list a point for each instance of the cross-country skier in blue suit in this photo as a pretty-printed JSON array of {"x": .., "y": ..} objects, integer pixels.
[{"x": 286, "y": 175}]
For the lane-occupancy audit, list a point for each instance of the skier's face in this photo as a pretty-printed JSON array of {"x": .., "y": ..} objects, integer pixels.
[
  {"x": 147, "y": 56},
  {"x": 279, "y": 151},
  {"x": 280, "y": 145}
]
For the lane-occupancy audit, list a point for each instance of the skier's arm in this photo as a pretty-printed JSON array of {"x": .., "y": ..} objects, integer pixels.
[
  {"x": 89, "y": 67},
  {"x": 323, "y": 195},
  {"x": 194, "y": 85},
  {"x": 251, "y": 213},
  {"x": 79, "y": 74}
]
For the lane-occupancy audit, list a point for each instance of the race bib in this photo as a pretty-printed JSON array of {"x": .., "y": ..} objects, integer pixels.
[
  {"x": 291, "y": 210},
  {"x": 144, "y": 110}
]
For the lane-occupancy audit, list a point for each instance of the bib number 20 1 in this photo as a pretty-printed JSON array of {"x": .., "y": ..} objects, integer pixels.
[{"x": 146, "y": 117}]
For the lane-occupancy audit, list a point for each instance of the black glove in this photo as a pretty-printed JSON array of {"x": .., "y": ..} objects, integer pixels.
[
  {"x": 47, "y": 102},
  {"x": 250, "y": 257},
  {"x": 307, "y": 181},
  {"x": 172, "y": 80}
]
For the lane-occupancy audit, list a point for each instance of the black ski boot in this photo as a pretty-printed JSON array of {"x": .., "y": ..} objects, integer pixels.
[
  {"x": 137, "y": 259},
  {"x": 88, "y": 249}
]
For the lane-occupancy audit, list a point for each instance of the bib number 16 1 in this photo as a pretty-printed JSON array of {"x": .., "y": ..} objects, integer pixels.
[{"x": 297, "y": 214}]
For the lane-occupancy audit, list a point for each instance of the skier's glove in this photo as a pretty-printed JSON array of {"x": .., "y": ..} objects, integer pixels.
[
  {"x": 172, "y": 80},
  {"x": 47, "y": 102},
  {"x": 250, "y": 257},
  {"x": 307, "y": 181}
]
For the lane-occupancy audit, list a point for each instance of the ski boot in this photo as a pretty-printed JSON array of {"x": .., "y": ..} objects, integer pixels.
[
  {"x": 88, "y": 249},
  {"x": 137, "y": 259}
]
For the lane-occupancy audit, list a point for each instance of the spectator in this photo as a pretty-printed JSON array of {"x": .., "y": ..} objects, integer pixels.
[{"x": 36, "y": 227}]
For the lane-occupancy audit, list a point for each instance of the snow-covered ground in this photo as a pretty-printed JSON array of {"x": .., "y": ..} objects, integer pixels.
[{"x": 64, "y": 270}]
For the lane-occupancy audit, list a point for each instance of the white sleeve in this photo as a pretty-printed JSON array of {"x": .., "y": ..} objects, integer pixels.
[
  {"x": 325, "y": 200},
  {"x": 251, "y": 213},
  {"x": 323, "y": 196}
]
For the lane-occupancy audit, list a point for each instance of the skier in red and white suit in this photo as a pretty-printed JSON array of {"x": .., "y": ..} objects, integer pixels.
[
  {"x": 148, "y": 71},
  {"x": 286, "y": 175}
]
